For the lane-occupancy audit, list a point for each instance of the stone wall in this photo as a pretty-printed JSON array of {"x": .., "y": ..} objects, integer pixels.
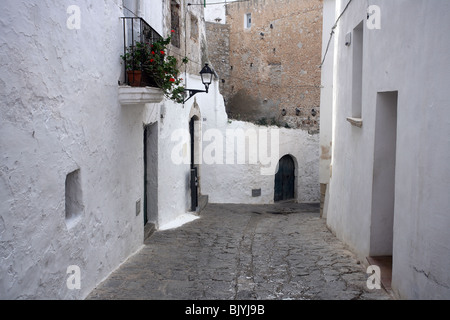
[
  {"x": 274, "y": 64},
  {"x": 218, "y": 36}
]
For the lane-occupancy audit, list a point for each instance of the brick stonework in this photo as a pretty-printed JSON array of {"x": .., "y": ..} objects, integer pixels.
[
  {"x": 218, "y": 36},
  {"x": 272, "y": 75}
]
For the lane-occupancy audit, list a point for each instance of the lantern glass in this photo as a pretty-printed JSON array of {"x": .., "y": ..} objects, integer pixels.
[{"x": 207, "y": 75}]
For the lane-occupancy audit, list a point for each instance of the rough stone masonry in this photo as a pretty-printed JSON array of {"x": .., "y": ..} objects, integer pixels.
[{"x": 269, "y": 71}]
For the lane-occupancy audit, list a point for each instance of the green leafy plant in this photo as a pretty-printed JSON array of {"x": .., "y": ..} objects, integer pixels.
[
  {"x": 153, "y": 59},
  {"x": 163, "y": 68},
  {"x": 135, "y": 56}
]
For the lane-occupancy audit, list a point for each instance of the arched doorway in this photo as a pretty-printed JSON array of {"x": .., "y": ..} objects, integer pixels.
[{"x": 285, "y": 179}]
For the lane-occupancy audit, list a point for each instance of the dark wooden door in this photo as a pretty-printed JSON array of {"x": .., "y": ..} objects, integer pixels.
[
  {"x": 146, "y": 134},
  {"x": 194, "y": 169},
  {"x": 285, "y": 179}
]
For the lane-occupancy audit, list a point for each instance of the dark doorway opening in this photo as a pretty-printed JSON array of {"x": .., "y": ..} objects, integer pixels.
[
  {"x": 194, "y": 168},
  {"x": 383, "y": 186},
  {"x": 150, "y": 176},
  {"x": 285, "y": 179}
]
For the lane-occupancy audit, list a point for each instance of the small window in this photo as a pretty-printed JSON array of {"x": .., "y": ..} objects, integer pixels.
[
  {"x": 357, "y": 77},
  {"x": 248, "y": 20}
]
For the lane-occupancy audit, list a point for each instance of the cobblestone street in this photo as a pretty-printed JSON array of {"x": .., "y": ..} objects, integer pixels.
[{"x": 243, "y": 252}]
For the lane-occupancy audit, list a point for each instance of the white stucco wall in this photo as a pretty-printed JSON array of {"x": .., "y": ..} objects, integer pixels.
[
  {"x": 233, "y": 183},
  {"x": 326, "y": 94},
  {"x": 60, "y": 112},
  {"x": 409, "y": 54},
  {"x": 153, "y": 13},
  {"x": 215, "y": 11},
  {"x": 326, "y": 100}
]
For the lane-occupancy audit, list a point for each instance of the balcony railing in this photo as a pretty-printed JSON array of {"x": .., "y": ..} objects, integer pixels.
[{"x": 137, "y": 29}]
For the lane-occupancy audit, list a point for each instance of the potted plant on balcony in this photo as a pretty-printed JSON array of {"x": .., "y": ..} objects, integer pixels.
[
  {"x": 162, "y": 68},
  {"x": 152, "y": 61},
  {"x": 135, "y": 58}
]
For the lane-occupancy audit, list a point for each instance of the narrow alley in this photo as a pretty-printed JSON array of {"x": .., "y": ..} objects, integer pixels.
[
  {"x": 316, "y": 132},
  {"x": 243, "y": 252}
]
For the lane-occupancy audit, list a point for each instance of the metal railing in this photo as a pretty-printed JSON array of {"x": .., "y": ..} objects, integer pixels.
[{"x": 137, "y": 29}]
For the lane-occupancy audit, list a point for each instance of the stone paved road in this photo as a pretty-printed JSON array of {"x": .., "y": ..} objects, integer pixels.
[{"x": 268, "y": 252}]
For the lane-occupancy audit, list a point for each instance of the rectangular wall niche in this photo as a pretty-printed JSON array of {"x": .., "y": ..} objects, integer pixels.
[
  {"x": 357, "y": 72},
  {"x": 74, "y": 199},
  {"x": 384, "y": 165}
]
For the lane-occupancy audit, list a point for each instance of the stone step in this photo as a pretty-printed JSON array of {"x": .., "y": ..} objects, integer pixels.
[
  {"x": 202, "y": 202},
  {"x": 149, "y": 229}
]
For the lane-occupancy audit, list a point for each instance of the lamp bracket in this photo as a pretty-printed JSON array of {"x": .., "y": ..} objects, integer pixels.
[{"x": 193, "y": 92}]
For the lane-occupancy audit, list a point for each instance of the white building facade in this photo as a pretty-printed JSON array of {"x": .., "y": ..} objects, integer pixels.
[
  {"x": 389, "y": 174},
  {"x": 73, "y": 142},
  {"x": 85, "y": 160}
]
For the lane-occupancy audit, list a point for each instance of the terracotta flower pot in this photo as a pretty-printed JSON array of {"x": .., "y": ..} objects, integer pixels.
[{"x": 134, "y": 78}]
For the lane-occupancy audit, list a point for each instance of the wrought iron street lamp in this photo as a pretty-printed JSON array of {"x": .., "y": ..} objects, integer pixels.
[{"x": 207, "y": 75}]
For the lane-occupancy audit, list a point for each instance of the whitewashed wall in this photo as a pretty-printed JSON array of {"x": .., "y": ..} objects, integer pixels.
[
  {"x": 60, "y": 112},
  {"x": 215, "y": 11},
  {"x": 233, "y": 183},
  {"x": 409, "y": 54},
  {"x": 152, "y": 11},
  {"x": 326, "y": 97}
]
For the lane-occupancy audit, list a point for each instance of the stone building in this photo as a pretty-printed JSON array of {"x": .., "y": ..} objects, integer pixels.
[
  {"x": 385, "y": 148},
  {"x": 272, "y": 74},
  {"x": 218, "y": 37}
]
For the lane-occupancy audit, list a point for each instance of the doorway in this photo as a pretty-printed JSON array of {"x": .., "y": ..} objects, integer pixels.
[
  {"x": 383, "y": 185},
  {"x": 194, "y": 183},
  {"x": 285, "y": 179},
  {"x": 151, "y": 174}
]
